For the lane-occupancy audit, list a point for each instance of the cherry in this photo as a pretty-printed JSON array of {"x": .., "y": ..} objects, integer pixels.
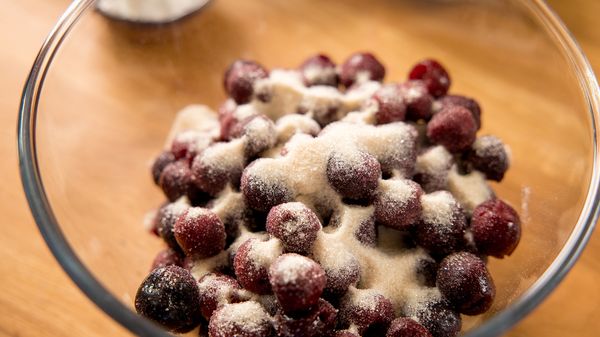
[
  {"x": 496, "y": 228},
  {"x": 391, "y": 105},
  {"x": 453, "y": 127},
  {"x": 169, "y": 296},
  {"x": 319, "y": 70},
  {"x": 406, "y": 327},
  {"x": 433, "y": 74},
  {"x": 398, "y": 204},
  {"x": 297, "y": 282},
  {"x": 489, "y": 156},
  {"x": 164, "y": 159},
  {"x": 200, "y": 232},
  {"x": 318, "y": 322},
  {"x": 361, "y": 67},
  {"x": 240, "y": 78},
  {"x": 369, "y": 311},
  {"x": 442, "y": 227},
  {"x": 353, "y": 174},
  {"x": 295, "y": 225},
  {"x": 465, "y": 281},
  {"x": 167, "y": 257},
  {"x": 465, "y": 102}
]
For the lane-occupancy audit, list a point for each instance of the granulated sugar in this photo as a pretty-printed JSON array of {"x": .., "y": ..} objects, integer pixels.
[{"x": 470, "y": 189}]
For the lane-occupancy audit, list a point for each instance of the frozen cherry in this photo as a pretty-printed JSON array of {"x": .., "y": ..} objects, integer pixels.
[
  {"x": 318, "y": 322},
  {"x": 319, "y": 70},
  {"x": 466, "y": 102},
  {"x": 464, "y": 280},
  {"x": 496, "y": 228},
  {"x": 453, "y": 127},
  {"x": 258, "y": 132},
  {"x": 398, "y": 204},
  {"x": 217, "y": 290},
  {"x": 417, "y": 99},
  {"x": 297, "y": 282},
  {"x": 391, "y": 106},
  {"x": 442, "y": 227},
  {"x": 406, "y": 327},
  {"x": 164, "y": 159},
  {"x": 167, "y": 216},
  {"x": 169, "y": 296},
  {"x": 361, "y": 67},
  {"x": 295, "y": 225},
  {"x": 262, "y": 190},
  {"x": 439, "y": 319},
  {"x": 175, "y": 180},
  {"x": 167, "y": 257},
  {"x": 433, "y": 74},
  {"x": 187, "y": 143},
  {"x": 240, "y": 78},
  {"x": 353, "y": 174},
  {"x": 246, "y": 319},
  {"x": 216, "y": 167},
  {"x": 489, "y": 156},
  {"x": 369, "y": 311},
  {"x": 342, "y": 270},
  {"x": 251, "y": 264},
  {"x": 200, "y": 232}
]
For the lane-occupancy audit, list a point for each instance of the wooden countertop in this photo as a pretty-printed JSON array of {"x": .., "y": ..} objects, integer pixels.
[{"x": 38, "y": 299}]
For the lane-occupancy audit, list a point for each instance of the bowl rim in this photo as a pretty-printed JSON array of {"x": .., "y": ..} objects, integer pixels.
[{"x": 50, "y": 229}]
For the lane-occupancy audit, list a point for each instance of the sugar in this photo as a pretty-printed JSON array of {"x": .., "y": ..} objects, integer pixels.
[
  {"x": 289, "y": 125},
  {"x": 292, "y": 268},
  {"x": 155, "y": 11},
  {"x": 194, "y": 117},
  {"x": 438, "y": 208},
  {"x": 263, "y": 254},
  {"x": 250, "y": 314},
  {"x": 469, "y": 189}
]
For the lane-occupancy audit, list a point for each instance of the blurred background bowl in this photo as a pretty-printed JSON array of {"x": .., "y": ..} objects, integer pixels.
[{"x": 111, "y": 90}]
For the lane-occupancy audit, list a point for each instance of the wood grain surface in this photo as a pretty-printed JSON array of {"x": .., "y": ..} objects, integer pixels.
[{"x": 38, "y": 299}]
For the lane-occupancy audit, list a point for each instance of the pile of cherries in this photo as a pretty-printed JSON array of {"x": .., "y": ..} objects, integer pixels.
[{"x": 223, "y": 302}]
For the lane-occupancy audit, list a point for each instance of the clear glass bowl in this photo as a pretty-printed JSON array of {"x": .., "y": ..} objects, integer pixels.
[{"x": 102, "y": 94}]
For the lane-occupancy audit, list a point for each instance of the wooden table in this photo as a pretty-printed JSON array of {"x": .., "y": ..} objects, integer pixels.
[{"x": 38, "y": 299}]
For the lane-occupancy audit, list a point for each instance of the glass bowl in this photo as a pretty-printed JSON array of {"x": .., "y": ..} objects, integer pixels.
[{"x": 102, "y": 94}]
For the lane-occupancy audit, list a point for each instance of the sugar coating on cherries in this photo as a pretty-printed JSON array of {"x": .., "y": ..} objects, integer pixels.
[
  {"x": 217, "y": 290},
  {"x": 245, "y": 319},
  {"x": 324, "y": 202}
]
